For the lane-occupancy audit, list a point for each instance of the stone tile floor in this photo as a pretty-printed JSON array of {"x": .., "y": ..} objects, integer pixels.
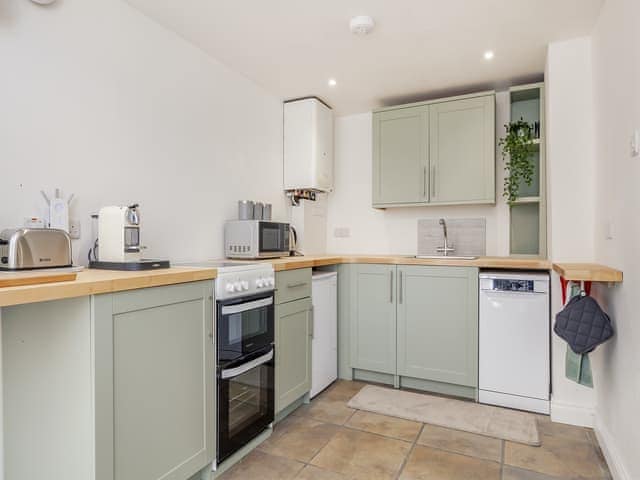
[{"x": 326, "y": 440}]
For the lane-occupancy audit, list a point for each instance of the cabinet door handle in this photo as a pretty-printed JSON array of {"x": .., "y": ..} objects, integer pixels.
[
  {"x": 400, "y": 287},
  {"x": 433, "y": 181},
  {"x": 391, "y": 286},
  {"x": 424, "y": 182},
  {"x": 312, "y": 321},
  {"x": 296, "y": 285}
]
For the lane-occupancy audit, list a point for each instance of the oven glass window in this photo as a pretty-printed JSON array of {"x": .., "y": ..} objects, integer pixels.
[
  {"x": 247, "y": 399},
  {"x": 245, "y": 407},
  {"x": 244, "y": 326}
]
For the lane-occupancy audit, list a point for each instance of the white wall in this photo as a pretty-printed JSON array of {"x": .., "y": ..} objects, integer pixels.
[
  {"x": 570, "y": 169},
  {"x": 394, "y": 230},
  {"x": 571, "y": 199},
  {"x": 102, "y": 102},
  {"x": 616, "y": 73}
]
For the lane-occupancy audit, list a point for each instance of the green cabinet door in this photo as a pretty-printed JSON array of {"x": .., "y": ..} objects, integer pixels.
[
  {"x": 400, "y": 154},
  {"x": 462, "y": 151},
  {"x": 373, "y": 318},
  {"x": 155, "y": 380},
  {"x": 438, "y": 324},
  {"x": 293, "y": 351}
]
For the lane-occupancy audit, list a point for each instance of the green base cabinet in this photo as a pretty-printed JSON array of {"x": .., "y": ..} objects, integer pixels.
[
  {"x": 438, "y": 324},
  {"x": 373, "y": 318},
  {"x": 155, "y": 382},
  {"x": 293, "y": 351},
  {"x": 293, "y": 331},
  {"x": 116, "y": 386},
  {"x": 413, "y": 326}
]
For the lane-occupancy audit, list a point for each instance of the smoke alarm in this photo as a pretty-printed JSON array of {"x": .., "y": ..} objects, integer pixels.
[{"x": 361, "y": 25}]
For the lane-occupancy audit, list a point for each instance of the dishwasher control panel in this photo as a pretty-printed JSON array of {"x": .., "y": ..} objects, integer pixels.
[
  {"x": 513, "y": 285},
  {"x": 512, "y": 282}
]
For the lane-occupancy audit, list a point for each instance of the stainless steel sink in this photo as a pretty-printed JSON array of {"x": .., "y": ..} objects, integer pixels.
[{"x": 444, "y": 257}]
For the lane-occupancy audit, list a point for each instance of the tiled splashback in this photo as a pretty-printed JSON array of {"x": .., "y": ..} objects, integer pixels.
[{"x": 467, "y": 235}]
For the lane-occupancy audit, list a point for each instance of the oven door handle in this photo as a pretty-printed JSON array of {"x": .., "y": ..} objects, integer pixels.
[
  {"x": 244, "y": 368},
  {"x": 244, "y": 307}
]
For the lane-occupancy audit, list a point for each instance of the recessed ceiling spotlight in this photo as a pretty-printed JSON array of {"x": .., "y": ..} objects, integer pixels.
[
  {"x": 488, "y": 55},
  {"x": 362, "y": 24},
  {"x": 332, "y": 82}
]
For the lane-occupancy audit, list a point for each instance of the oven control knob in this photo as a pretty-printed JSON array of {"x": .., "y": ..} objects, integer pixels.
[
  {"x": 259, "y": 283},
  {"x": 230, "y": 288},
  {"x": 270, "y": 282},
  {"x": 237, "y": 286},
  {"x": 245, "y": 285}
]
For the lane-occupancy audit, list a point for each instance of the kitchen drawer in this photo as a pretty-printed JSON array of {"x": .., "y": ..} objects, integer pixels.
[{"x": 293, "y": 285}]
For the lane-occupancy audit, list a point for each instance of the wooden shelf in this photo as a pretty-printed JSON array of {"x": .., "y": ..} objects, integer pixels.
[
  {"x": 522, "y": 200},
  {"x": 588, "y": 272}
]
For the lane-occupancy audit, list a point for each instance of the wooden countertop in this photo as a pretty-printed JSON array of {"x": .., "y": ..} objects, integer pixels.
[
  {"x": 90, "y": 282},
  {"x": 291, "y": 263},
  {"x": 588, "y": 272}
]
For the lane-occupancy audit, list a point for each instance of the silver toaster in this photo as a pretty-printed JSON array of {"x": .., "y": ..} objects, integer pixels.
[{"x": 29, "y": 248}]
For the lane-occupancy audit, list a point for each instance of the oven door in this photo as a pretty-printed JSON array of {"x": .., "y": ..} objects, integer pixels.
[
  {"x": 245, "y": 401},
  {"x": 273, "y": 237},
  {"x": 245, "y": 325}
]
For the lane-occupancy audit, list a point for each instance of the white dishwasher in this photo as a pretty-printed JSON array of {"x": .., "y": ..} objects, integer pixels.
[
  {"x": 324, "y": 346},
  {"x": 514, "y": 340}
]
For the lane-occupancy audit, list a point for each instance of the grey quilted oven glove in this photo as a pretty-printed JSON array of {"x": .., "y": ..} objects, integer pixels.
[{"x": 583, "y": 324}]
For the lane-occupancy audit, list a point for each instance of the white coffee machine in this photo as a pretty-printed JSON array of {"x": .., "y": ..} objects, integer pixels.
[
  {"x": 118, "y": 245},
  {"x": 119, "y": 234}
]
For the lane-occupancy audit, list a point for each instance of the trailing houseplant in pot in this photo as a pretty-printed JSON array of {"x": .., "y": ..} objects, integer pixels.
[{"x": 517, "y": 152}]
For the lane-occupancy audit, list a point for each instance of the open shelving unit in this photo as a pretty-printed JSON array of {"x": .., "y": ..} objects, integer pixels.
[{"x": 528, "y": 215}]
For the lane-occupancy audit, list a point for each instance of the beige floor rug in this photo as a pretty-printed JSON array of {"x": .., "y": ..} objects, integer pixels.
[{"x": 471, "y": 417}]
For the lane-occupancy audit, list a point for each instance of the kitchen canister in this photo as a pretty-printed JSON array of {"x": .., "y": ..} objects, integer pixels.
[
  {"x": 266, "y": 212},
  {"x": 258, "y": 208},
  {"x": 245, "y": 209}
]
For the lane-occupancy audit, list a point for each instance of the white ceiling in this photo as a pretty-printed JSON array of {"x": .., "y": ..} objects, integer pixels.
[{"x": 419, "y": 48}]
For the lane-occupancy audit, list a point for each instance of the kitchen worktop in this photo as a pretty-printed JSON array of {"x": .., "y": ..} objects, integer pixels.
[
  {"x": 291, "y": 263},
  {"x": 91, "y": 282}
]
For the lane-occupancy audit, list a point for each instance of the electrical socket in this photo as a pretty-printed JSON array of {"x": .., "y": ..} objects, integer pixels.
[
  {"x": 341, "y": 232},
  {"x": 635, "y": 143},
  {"x": 611, "y": 230},
  {"x": 74, "y": 228}
]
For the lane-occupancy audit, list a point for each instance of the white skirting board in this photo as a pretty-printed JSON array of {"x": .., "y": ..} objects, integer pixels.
[
  {"x": 610, "y": 452},
  {"x": 514, "y": 401},
  {"x": 572, "y": 414}
]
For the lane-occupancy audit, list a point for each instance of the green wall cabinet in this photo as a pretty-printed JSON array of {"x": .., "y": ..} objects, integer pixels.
[
  {"x": 293, "y": 336},
  {"x": 436, "y": 152},
  {"x": 293, "y": 351},
  {"x": 462, "y": 151},
  {"x": 155, "y": 381},
  {"x": 373, "y": 318},
  {"x": 438, "y": 324},
  {"x": 528, "y": 215},
  {"x": 400, "y": 156}
]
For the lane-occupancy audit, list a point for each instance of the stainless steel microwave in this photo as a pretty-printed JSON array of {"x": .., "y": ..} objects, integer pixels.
[{"x": 256, "y": 239}]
